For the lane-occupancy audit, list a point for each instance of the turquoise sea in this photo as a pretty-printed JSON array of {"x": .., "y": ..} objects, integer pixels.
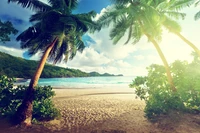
[{"x": 86, "y": 82}]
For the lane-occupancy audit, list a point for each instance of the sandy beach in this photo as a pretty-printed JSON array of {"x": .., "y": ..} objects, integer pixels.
[{"x": 106, "y": 111}]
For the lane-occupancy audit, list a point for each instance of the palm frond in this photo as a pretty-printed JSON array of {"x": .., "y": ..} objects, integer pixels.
[
  {"x": 161, "y": 6},
  {"x": 79, "y": 44},
  {"x": 36, "y": 17},
  {"x": 86, "y": 19},
  {"x": 34, "y": 5},
  {"x": 136, "y": 33},
  {"x": 175, "y": 14},
  {"x": 197, "y": 3},
  {"x": 68, "y": 4},
  {"x": 72, "y": 51},
  {"x": 121, "y": 2},
  {"x": 151, "y": 24},
  {"x": 171, "y": 25},
  {"x": 180, "y": 4},
  {"x": 119, "y": 29},
  {"x": 129, "y": 34},
  {"x": 112, "y": 15},
  {"x": 197, "y": 15},
  {"x": 58, "y": 57},
  {"x": 53, "y": 52}
]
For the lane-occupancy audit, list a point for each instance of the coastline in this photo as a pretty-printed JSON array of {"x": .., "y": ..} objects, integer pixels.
[{"x": 83, "y": 82}]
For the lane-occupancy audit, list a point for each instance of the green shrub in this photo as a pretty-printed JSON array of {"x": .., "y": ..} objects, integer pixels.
[
  {"x": 159, "y": 97},
  {"x": 11, "y": 97},
  {"x": 43, "y": 106},
  {"x": 7, "y": 104}
]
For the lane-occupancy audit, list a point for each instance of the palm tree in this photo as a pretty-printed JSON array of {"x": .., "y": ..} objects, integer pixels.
[
  {"x": 138, "y": 18},
  {"x": 170, "y": 11},
  {"x": 147, "y": 16},
  {"x": 57, "y": 33}
]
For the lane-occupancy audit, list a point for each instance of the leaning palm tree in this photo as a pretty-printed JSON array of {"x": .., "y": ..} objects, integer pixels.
[
  {"x": 57, "y": 34},
  {"x": 138, "y": 18},
  {"x": 168, "y": 11}
]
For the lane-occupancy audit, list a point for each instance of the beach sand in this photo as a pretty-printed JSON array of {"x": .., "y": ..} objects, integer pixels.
[{"x": 106, "y": 111}]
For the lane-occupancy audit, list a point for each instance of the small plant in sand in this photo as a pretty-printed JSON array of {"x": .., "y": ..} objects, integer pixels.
[
  {"x": 156, "y": 92},
  {"x": 11, "y": 98}
]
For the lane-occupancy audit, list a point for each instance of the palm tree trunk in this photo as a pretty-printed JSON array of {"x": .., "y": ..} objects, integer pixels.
[
  {"x": 24, "y": 112},
  {"x": 188, "y": 42},
  {"x": 169, "y": 77}
]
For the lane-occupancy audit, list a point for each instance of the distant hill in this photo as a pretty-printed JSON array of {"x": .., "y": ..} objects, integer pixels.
[
  {"x": 105, "y": 74},
  {"x": 22, "y": 68}
]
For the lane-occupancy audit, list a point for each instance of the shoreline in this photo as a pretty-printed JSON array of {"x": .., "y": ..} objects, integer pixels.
[{"x": 83, "y": 82}]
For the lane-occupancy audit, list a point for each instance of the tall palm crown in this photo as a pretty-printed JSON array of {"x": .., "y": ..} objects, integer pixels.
[
  {"x": 57, "y": 21},
  {"x": 138, "y": 16}
]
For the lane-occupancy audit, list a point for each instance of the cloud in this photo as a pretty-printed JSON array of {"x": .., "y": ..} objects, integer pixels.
[
  {"x": 139, "y": 57},
  {"x": 14, "y": 10},
  {"x": 12, "y": 51},
  {"x": 105, "y": 45},
  {"x": 19, "y": 53},
  {"x": 89, "y": 57},
  {"x": 91, "y": 60}
]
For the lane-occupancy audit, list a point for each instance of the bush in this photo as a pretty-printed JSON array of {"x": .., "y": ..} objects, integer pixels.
[
  {"x": 159, "y": 97},
  {"x": 11, "y": 97}
]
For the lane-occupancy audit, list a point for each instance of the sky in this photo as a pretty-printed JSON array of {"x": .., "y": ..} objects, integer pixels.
[{"x": 100, "y": 54}]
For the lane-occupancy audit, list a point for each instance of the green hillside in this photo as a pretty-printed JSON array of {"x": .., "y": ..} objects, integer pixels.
[{"x": 21, "y": 68}]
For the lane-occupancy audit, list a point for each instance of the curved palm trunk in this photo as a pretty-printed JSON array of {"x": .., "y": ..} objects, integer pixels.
[
  {"x": 188, "y": 42},
  {"x": 24, "y": 112},
  {"x": 169, "y": 77}
]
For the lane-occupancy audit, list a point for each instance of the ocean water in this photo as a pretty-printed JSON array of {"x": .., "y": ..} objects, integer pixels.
[{"x": 86, "y": 82}]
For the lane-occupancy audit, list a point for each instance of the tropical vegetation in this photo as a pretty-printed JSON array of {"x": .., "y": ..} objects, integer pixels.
[
  {"x": 11, "y": 97},
  {"x": 56, "y": 32},
  {"x": 21, "y": 68},
  {"x": 6, "y": 29},
  {"x": 156, "y": 92},
  {"x": 144, "y": 17},
  {"x": 137, "y": 18}
]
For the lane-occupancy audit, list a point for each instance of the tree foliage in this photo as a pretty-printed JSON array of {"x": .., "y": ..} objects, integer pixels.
[
  {"x": 157, "y": 94},
  {"x": 11, "y": 97},
  {"x": 55, "y": 21},
  {"x": 141, "y": 18},
  {"x": 21, "y": 68},
  {"x": 6, "y": 29},
  {"x": 197, "y": 15}
]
